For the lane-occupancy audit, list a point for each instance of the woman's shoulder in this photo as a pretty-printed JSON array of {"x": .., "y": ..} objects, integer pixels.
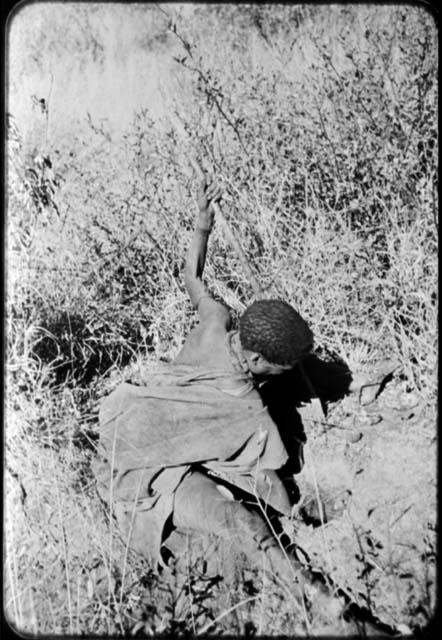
[{"x": 206, "y": 345}]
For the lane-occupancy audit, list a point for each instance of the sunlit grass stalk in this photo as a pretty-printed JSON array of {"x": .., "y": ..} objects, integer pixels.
[{"x": 64, "y": 543}]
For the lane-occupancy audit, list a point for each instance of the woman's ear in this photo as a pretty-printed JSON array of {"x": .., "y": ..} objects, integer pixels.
[
  {"x": 254, "y": 360},
  {"x": 255, "y": 357}
]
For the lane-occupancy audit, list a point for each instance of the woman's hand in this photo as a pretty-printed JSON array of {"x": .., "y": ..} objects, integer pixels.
[{"x": 208, "y": 193}]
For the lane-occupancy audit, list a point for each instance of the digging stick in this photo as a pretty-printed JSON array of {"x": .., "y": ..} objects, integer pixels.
[{"x": 258, "y": 290}]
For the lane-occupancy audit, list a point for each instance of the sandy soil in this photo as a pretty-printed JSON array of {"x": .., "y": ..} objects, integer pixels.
[{"x": 374, "y": 466}]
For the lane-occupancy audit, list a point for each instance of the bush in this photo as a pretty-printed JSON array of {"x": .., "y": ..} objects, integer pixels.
[{"x": 320, "y": 121}]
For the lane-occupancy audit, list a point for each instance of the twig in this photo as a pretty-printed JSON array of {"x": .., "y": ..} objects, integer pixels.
[
  {"x": 225, "y": 613},
  {"x": 210, "y": 93},
  {"x": 209, "y": 90},
  {"x": 190, "y": 588},
  {"x": 65, "y": 548}
]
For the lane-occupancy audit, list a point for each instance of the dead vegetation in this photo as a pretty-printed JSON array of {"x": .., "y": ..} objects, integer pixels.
[{"x": 321, "y": 123}]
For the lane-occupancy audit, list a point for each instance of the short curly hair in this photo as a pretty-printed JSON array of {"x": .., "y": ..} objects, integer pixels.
[{"x": 275, "y": 330}]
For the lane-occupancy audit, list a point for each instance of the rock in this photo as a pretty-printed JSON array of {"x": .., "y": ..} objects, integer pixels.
[{"x": 354, "y": 436}]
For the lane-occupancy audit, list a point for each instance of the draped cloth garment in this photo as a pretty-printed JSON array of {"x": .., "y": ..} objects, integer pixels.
[{"x": 150, "y": 435}]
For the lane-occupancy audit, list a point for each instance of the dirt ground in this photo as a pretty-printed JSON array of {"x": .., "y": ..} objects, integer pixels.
[
  {"x": 374, "y": 466},
  {"x": 380, "y": 459}
]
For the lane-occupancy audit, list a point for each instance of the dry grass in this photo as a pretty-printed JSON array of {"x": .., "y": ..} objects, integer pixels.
[{"x": 321, "y": 123}]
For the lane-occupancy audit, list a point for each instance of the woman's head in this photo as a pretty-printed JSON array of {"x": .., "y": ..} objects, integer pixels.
[{"x": 273, "y": 336}]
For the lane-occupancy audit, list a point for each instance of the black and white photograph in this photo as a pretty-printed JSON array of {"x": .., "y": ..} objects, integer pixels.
[{"x": 221, "y": 320}]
